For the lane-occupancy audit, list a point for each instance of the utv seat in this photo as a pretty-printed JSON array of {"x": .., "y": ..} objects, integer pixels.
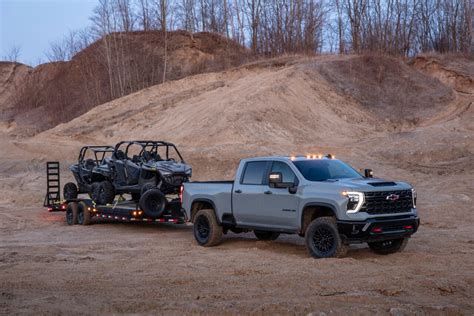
[{"x": 89, "y": 164}]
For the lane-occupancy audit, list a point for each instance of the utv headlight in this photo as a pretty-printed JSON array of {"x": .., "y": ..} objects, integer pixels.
[
  {"x": 413, "y": 196},
  {"x": 355, "y": 201}
]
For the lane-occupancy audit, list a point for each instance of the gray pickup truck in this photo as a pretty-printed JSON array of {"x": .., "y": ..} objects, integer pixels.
[{"x": 320, "y": 198}]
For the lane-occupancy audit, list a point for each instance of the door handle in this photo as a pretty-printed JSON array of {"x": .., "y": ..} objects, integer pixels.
[
  {"x": 238, "y": 191},
  {"x": 267, "y": 192}
]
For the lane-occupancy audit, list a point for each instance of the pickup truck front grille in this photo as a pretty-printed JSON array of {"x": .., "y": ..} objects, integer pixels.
[{"x": 387, "y": 202}]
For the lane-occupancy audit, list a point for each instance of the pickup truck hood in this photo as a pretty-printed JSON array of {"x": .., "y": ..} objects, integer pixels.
[
  {"x": 372, "y": 184},
  {"x": 170, "y": 167}
]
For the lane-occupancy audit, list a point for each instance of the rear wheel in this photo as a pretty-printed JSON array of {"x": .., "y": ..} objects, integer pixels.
[
  {"x": 71, "y": 213},
  {"x": 84, "y": 214},
  {"x": 323, "y": 239},
  {"x": 70, "y": 191},
  {"x": 207, "y": 230},
  {"x": 153, "y": 203},
  {"x": 266, "y": 235},
  {"x": 105, "y": 193},
  {"x": 387, "y": 247}
]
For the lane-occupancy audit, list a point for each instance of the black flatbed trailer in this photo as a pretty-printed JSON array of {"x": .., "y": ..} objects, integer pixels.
[{"x": 85, "y": 211}]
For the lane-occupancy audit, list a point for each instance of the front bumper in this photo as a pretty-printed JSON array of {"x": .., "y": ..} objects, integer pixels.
[{"x": 378, "y": 229}]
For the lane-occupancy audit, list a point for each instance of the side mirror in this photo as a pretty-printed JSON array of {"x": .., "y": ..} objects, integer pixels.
[
  {"x": 274, "y": 179},
  {"x": 368, "y": 173}
]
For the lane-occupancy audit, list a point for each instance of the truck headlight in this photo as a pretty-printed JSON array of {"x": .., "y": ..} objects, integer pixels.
[
  {"x": 355, "y": 201},
  {"x": 413, "y": 196}
]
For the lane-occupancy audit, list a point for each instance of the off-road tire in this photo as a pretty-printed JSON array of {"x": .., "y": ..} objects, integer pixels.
[
  {"x": 207, "y": 230},
  {"x": 146, "y": 187},
  {"x": 266, "y": 235},
  {"x": 71, "y": 213},
  {"x": 105, "y": 193},
  {"x": 323, "y": 239},
  {"x": 93, "y": 190},
  {"x": 152, "y": 203},
  {"x": 70, "y": 191},
  {"x": 84, "y": 215},
  {"x": 387, "y": 247}
]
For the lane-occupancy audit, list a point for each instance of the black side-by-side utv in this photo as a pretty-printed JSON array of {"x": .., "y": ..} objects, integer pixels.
[{"x": 90, "y": 157}]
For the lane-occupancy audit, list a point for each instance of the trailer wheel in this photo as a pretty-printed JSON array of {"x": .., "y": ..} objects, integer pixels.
[
  {"x": 71, "y": 213},
  {"x": 83, "y": 214},
  {"x": 153, "y": 203},
  {"x": 207, "y": 230},
  {"x": 70, "y": 191},
  {"x": 105, "y": 193}
]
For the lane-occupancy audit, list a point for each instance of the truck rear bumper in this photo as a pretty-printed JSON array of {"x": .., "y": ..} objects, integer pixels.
[{"x": 377, "y": 229}]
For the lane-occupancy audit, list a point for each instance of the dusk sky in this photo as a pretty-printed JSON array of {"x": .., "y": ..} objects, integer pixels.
[{"x": 34, "y": 24}]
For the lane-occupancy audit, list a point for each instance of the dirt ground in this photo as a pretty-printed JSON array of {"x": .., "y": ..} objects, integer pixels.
[{"x": 47, "y": 267}]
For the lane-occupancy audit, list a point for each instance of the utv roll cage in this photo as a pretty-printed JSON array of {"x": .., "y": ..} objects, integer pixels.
[
  {"x": 149, "y": 150},
  {"x": 99, "y": 153}
]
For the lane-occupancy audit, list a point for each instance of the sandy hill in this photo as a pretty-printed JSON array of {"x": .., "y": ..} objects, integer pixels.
[
  {"x": 374, "y": 111},
  {"x": 114, "y": 66}
]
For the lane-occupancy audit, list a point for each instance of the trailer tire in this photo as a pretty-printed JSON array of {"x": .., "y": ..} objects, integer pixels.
[
  {"x": 70, "y": 191},
  {"x": 71, "y": 213},
  {"x": 207, "y": 230},
  {"x": 105, "y": 193},
  {"x": 153, "y": 203},
  {"x": 323, "y": 239},
  {"x": 83, "y": 215}
]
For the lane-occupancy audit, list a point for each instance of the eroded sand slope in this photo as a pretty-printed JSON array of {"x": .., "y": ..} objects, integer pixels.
[{"x": 407, "y": 122}]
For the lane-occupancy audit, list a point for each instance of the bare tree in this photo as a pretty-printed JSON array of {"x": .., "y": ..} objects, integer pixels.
[{"x": 13, "y": 54}]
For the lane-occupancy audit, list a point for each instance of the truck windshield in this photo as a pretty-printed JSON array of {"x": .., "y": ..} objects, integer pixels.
[{"x": 325, "y": 169}]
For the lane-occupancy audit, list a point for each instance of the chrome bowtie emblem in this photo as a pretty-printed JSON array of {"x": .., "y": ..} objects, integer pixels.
[{"x": 393, "y": 197}]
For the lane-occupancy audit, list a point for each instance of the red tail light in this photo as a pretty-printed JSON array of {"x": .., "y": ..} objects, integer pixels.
[
  {"x": 408, "y": 227},
  {"x": 181, "y": 189}
]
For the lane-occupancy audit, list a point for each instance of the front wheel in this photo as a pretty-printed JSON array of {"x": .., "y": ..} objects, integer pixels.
[
  {"x": 105, "y": 193},
  {"x": 387, "y": 247},
  {"x": 207, "y": 230},
  {"x": 266, "y": 235},
  {"x": 323, "y": 239}
]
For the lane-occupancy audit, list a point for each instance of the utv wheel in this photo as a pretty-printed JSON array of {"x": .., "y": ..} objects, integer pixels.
[
  {"x": 70, "y": 191},
  {"x": 146, "y": 187},
  {"x": 266, "y": 235},
  {"x": 83, "y": 215},
  {"x": 105, "y": 193},
  {"x": 323, "y": 239},
  {"x": 71, "y": 213},
  {"x": 94, "y": 190},
  {"x": 152, "y": 203},
  {"x": 207, "y": 230},
  {"x": 387, "y": 247}
]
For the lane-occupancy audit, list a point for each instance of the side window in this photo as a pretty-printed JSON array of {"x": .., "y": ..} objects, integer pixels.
[
  {"x": 254, "y": 172},
  {"x": 288, "y": 176}
]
